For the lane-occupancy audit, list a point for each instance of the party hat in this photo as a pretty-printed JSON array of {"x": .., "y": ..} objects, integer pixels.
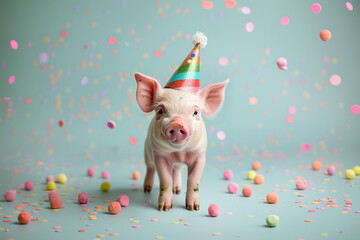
[{"x": 187, "y": 76}]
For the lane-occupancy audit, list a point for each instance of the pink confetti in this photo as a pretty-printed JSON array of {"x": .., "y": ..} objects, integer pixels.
[
  {"x": 292, "y": 110},
  {"x": 284, "y": 21},
  {"x": 253, "y": 100},
  {"x": 221, "y": 135},
  {"x": 14, "y": 44},
  {"x": 223, "y": 61},
  {"x": 136, "y": 226},
  {"x": 207, "y": 5},
  {"x": 158, "y": 53},
  {"x": 230, "y": 3},
  {"x": 112, "y": 40},
  {"x": 316, "y": 8},
  {"x": 355, "y": 109},
  {"x": 349, "y": 6},
  {"x": 11, "y": 80},
  {"x": 245, "y": 10},
  {"x": 6, "y": 98},
  {"x": 335, "y": 80},
  {"x": 111, "y": 124},
  {"x": 306, "y": 147},
  {"x": 249, "y": 27},
  {"x": 289, "y": 118}
]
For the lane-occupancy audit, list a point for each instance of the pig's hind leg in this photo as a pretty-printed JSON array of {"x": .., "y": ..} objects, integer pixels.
[
  {"x": 150, "y": 173},
  {"x": 176, "y": 175}
]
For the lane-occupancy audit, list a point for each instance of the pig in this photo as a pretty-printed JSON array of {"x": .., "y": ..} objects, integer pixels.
[{"x": 176, "y": 136}]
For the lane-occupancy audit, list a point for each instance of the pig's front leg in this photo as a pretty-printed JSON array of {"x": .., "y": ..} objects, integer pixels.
[
  {"x": 195, "y": 169},
  {"x": 163, "y": 168}
]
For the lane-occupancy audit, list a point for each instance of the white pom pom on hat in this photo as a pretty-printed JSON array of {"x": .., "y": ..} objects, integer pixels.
[{"x": 200, "y": 37}]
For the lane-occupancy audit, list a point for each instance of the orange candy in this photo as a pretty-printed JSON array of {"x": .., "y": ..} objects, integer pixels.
[
  {"x": 316, "y": 165},
  {"x": 256, "y": 165},
  {"x": 259, "y": 179},
  {"x": 55, "y": 203},
  {"x": 325, "y": 35},
  {"x": 114, "y": 208},
  {"x": 24, "y": 218},
  {"x": 247, "y": 191},
  {"x": 136, "y": 175},
  {"x": 272, "y": 198}
]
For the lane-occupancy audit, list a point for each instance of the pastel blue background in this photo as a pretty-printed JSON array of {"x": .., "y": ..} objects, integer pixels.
[{"x": 85, "y": 97}]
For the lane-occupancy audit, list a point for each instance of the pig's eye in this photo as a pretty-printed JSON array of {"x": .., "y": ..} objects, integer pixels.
[
  {"x": 160, "y": 111},
  {"x": 196, "y": 113}
]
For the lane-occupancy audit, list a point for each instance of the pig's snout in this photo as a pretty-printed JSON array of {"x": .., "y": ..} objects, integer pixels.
[{"x": 176, "y": 132}]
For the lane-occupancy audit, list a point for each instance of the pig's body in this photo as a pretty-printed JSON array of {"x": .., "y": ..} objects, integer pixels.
[{"x": 176, "y": 136}]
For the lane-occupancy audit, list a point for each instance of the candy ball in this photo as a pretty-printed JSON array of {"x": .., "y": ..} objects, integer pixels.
[
  {"x": 123, "y": 200},
  {"x": 136, "y": 175},
  {"x": 62, "y": 178},
  {"x": 301, "y": 184},
  {"x": 256, "y": 165},
  {"x": 83, "y": 198},
  {"x": 111, "y": 124},
  {"x": 55, "y": 203},
  {"x": 331, "y": 170},
  {"x": 24, "y": 218},
  {"x": 233, "y": 187},
  {"x": 282, "y": 63},
  {"x": 105, "y": 175},
  {"x": 114, "y": 208},
  {"x": 50, "y": 178},
  {"x": 316, "y": 165},
  {"x": 325, "y": 35},
  {"x": 357, "y": 170},
  {"x": 214, "y": 210},
  {"x": 28, "y": 185},
  {"x": 91, "y": 172},
  {"x": 272, "y": 198},
  {"x": 247, "y": 191},
  {"x": 105, "y": 186},
  {"x": 272, "y": 220},
  {"x": 51, "y": 185},
  {"x": 251, "y": 175},
  {"x": 349, "y": 174},
  {"x": 53, "y": 194},
  {"x": 259, "y": 179},
  {"x": 228, "y": 174},
  {"x": 10, "y": 195}
]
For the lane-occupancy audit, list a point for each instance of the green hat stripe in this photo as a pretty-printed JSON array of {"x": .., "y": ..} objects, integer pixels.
[{"x": 188, "y": 68}]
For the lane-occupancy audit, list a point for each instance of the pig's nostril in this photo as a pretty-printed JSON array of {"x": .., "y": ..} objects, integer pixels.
[
  {"x": 182, "y": 132},
  {"x": 171, "y": 131}
]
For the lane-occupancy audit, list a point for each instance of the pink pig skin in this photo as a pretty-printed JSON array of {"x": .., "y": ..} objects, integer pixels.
[{"x": 176, "y": 137}]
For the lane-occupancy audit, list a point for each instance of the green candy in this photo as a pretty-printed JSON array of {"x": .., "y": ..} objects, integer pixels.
[{"x": 272, "y": 220}]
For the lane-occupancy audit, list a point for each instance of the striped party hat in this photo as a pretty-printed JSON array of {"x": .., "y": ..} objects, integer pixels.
[{"x": 187, "y": 76}]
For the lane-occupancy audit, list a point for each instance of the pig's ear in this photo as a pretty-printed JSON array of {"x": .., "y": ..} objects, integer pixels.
[
  {"x": 147, "y": 87},
  {"x": 213, "y": 96}
]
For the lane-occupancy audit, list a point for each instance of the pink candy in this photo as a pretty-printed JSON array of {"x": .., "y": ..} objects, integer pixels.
[
  {"x": 53, "y": 194},
  {"x": 331, "y": 170},
  {"x": 123, "y": 200},
  {"x": 10, "y": 195},
  {"x": 28, "y": 185},
  {"x": 214, "y": 210},
  {"x": 282, "y": 63},
  {"x": 50, "y": 178},
  {"x": 91, "y": 172},
  {"x": 105, "y": 174},
  {"x": 233, "y": 188},
  {"x": 301, "y": 184},
  {"x": 83, "y": 198},
  {"x": 228, "y": 174}
]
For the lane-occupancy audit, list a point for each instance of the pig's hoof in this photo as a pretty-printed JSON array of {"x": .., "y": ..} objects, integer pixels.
[
  {"x": 191, "y": 207},
  {"x": 147, "y": 189},
  {"x": 165, "y": 203},
  {"x": 176, "y": 190}
]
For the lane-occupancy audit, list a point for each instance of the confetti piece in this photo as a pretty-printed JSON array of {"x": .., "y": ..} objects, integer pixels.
[
  {"x": 216, "y": 234},
  {"x": 207, "y": 5},
  {"x": 11, "y": 80},
  {"x": 335, "y": 80},
  {"x": 355, "y": 109},
  {"x": 284, "y": 21},
  {"x": 230, "y": 3},
  {"x": 325, "y": 35},
  {"x": 249, "y": 27},
  {"x": 316, "y": 8},
  {"x": 349, "y": 6},
  {"x": 135, "y": 226},
  {"x": 14, "y": 44}
]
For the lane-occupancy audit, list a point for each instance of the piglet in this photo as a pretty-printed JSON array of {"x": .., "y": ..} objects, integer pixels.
[{"x": 176, "y": 136}]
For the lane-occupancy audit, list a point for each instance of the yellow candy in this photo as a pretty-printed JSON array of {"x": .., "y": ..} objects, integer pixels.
[
  {"x": 349, "y": 174},
  {"x": 357, "y": 170},
  {"x": 62, "y": 178},
  {"x": 251, "y": 175},
  {"x": 105, "y": 186},
  {"x": 51, "y": 185}
]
